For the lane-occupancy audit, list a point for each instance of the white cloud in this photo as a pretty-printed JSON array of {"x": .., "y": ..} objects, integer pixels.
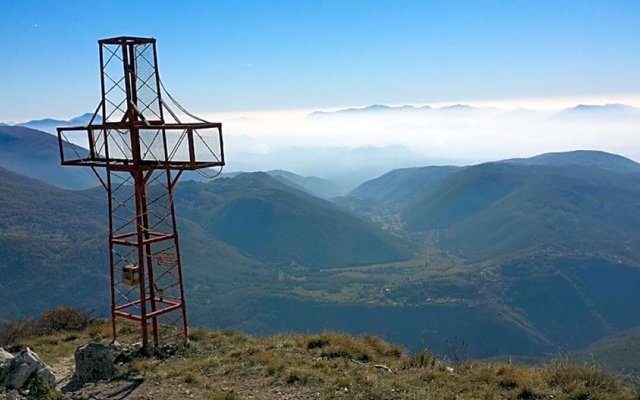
[{"x": 498, "y": 129}]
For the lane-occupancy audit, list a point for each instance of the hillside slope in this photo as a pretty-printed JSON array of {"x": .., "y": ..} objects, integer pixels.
[
  {"x": 547, "y": 236},
  {"x": 36, "y": 154},
  {"x": 531, "y": 238},
  {"x": 48, "y": 245},
  {"x": 313, "y": 185},
  {"x": 54, "y": 243},
  {"x": 493, "y": 210},
  {"x": 400, "y": 185},
  {"x": 619, "y": 352},
  {"x": 51, "y": 235},
  {"x": 274, "y": 222}
]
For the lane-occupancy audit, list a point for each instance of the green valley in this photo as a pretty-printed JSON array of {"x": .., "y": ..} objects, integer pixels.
[{"x": 540, "y": 256}]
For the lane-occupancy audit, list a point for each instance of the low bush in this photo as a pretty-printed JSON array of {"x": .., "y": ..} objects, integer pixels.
[{"x": 60, "y": 319}]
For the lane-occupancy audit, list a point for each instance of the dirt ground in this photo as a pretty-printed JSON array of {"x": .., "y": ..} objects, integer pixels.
[{"x": 148, "y": 388}]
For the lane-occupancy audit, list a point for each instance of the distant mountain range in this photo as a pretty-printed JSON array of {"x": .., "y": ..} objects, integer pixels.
[
  {"x": 579, "y": 111},
  {"x": 35, "y": 153},
  {"x": 346, "y": 167},
  {"x": 49, "y": 124},
  {"x": 380, "y": 108},
  {"x": 617, "y": 111},
  {"x": 341, "y": 167}
]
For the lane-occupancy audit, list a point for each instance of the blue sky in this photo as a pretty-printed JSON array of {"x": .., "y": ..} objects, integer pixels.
[{"x": 245, "y": 55}]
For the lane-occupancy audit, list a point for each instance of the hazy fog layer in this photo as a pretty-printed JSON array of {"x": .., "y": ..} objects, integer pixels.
[
  {"x": 376, "y": 138},
  {"x": 350, "y": 145}
]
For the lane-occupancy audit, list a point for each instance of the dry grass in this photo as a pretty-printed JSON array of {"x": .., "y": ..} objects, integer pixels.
[
  {"x": 332, "y": 365},
  {"x": 230, "y": 365}
]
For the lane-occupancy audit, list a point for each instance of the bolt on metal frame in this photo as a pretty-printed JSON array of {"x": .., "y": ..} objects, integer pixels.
[{"x": 143, "y": 157}]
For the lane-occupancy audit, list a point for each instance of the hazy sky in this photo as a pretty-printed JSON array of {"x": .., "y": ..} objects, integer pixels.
[{"x": 220, "y": 56}]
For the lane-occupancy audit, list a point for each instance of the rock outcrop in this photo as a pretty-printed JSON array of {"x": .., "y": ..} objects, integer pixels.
[
  {"x": 26, "y": 365},
  {"x": 94, "y": 362},
  {"x": 5, "y": 358}
]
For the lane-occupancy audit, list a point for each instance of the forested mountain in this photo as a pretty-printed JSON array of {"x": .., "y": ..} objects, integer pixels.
[
  {"x": 49, "y": 250},
  {"x": 53, "y": 248},
  {"x": 400, "y": 185},
  {"x": 274, "y": 222},
  {"x": 555, "y": 245},
  {"x": 36, "y": 154},
  {"x": 55, "y": 235},
  {"x": 517, "y": 257},
  {"x": 493, "y": 210},
  {"x": 318, "y": 187}
]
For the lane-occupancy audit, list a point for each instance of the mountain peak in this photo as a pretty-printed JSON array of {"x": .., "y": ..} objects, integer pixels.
[
  {"x": 610, "y": 110},
  {"x": 461, "y": 107},
  {"x": 592, "y": 158},
  {"x": 49, "y": 125},
  {"x": 378, "y": 108},
  {"x": 608, "y": 106},
  {"x": 373, "y": 108}
]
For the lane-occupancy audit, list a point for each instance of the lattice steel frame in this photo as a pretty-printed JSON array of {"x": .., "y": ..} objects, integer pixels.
[{"x": 143, "y": 157}]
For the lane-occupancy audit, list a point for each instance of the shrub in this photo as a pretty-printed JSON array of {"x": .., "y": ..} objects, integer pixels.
[
  {"x": 383, "y": 348},
  {"x": 422, "y": 359},
  {"x": 589, "y": 376},
  {"x": 60, "y": 319},
  {"x": 527, "y": 394},
  {"x": 317, "y": 343},
  {"x": 42, "y": 390}
]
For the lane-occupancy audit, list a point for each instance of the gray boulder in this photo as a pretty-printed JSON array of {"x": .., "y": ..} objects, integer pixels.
[
  {"x": 5, "y": 358},
  {"x": 46, "y": 375},
  {"x": 23, "y": 367},
  {"x": 94, "y": 362}
]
